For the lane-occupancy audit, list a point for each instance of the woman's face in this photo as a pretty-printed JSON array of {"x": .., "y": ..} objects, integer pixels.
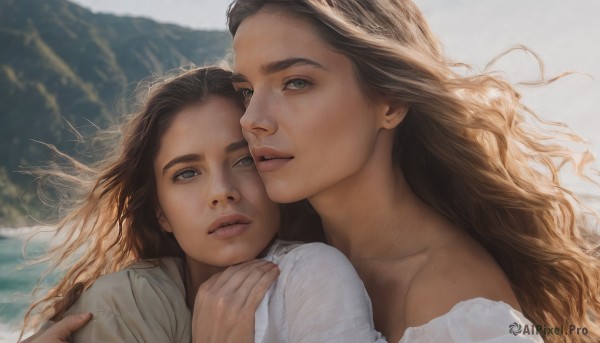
[
  {"x": 308, "y": 123},
  {"x": 210, "y": 194}
]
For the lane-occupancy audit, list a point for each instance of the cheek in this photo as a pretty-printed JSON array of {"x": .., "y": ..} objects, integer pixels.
[
  {"x": 256, "y": 194},
  {"x": 180, "y": 206},
  {"x": 163, "y": 201},
  {"x": 333, "y": 129}
]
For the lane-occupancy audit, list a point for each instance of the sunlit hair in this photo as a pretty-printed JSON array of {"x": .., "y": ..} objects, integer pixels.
[
  {"x": 107, "y": 210},
  {"x": 471, "y": 150}
]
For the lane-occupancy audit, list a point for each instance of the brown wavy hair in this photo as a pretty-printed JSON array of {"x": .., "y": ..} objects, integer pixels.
[
  {"x": 473, "y": 151},
  {"x": 107, "y": 210}
]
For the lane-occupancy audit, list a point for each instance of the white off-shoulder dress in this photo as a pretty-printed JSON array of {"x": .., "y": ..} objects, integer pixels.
[
  {"x": 476, "y": 320},
  {"x": 318, "y": 297}
]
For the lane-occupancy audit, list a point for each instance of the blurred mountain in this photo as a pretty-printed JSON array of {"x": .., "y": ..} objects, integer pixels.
[{"x": 61, "y": 65}]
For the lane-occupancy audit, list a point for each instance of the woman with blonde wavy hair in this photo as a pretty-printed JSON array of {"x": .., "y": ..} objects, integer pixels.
[{"x": 441, "y": 188}]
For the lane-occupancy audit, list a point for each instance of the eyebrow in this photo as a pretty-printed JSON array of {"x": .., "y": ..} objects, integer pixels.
[
  {"x": 238, "y": 78},
  {"x": 278, "y": 66},
  {"x": 236, "y": 146},
  {"x": 183, "y": 159},
  {"x": 197, "y": 158}
]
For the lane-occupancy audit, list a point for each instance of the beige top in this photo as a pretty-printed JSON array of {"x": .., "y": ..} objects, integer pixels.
[
  {"x": 143, "y": 303},
  {"x": 318, "y": 297}
]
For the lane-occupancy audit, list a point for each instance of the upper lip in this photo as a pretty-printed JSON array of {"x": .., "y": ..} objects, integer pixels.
[
  {"x": 262, "y": 153},
  {"x": 228, "y": 219}
]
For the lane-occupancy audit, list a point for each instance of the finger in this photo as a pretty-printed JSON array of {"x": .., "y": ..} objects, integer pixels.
[
  {"x": 232, "y": 277},
  {"x": 215, "y": 297},
  {"x": 208, "y": 284},
  {"x": 247, "y": 276},
  {"x": 258, "y": 288},
  {"x": 66, "y": 326},
  {"x": 248, "y": 265},
  {"x": 216, "y": 281},
  {"x": 226, "y": 296},
  {"x": 239, "y": 295},
  {"x": 222, "y": 285}
]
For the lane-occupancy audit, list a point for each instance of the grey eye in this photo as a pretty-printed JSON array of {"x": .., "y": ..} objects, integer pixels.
[
  {"x": 296, "y": 84},
  {"x": 246, "y": 161},
  {"x": 185, "y": 174}
]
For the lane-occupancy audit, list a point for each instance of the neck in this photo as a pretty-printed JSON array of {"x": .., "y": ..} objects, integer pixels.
[
  {"x": 373, "y": 214},
  {"x": 196, "y": 274}
]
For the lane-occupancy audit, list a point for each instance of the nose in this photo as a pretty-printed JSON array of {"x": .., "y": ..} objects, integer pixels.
[
  {"x": 258, "y": 120},
  {"x": 222, "y": 190}
]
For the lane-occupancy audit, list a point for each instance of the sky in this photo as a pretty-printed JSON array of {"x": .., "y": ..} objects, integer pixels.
[{"x": 565, "y": 34}]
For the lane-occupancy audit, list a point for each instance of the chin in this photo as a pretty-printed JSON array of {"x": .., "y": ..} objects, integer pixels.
[
  {"x": 283, "y": 195},
  {"x": 229, "y": 261},
  {"x": 236, "y": 256}
]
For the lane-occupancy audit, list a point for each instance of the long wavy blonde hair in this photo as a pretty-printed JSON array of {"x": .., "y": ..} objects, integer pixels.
[
  {"x": 473, "y": 151},
  {"x": 107, "y": 210}
]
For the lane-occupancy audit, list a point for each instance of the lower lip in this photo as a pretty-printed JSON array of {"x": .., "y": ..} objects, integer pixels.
[
  {"x": 271, "y": 165},
  {"x": 230, "y": 231}
]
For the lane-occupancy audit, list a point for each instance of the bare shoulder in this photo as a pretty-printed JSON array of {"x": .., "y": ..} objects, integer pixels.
[{"x": 457, "y": 270}]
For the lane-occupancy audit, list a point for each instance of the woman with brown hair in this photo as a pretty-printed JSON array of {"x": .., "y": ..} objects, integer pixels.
[
  {"x": 149, "y": 242},
  {"x": 442, "y": 189}
]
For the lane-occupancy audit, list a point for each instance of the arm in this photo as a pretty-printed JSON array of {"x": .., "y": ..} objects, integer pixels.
[
  {"x": 325, "y": 300},
  {"x": 143, "y": 305},
  {"x": 60, "y": 332}
]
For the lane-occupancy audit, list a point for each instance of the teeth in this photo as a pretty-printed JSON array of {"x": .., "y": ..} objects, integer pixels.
[
  {"x": 227, "y": 224},
  {"x": 268, "y": 157}
]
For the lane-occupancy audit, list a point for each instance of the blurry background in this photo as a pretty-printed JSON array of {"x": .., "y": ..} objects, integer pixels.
[{"x": 72, "y": 63}]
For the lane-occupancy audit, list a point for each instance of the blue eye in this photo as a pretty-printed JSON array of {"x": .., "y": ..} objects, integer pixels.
[
  {"x": 244, "y": 162},
  {"x": 296, "y": 84},
  {"x": 184, "y": 175}
]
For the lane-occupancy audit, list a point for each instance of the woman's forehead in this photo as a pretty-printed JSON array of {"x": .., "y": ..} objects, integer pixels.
[{"x": 267, "y": 39}]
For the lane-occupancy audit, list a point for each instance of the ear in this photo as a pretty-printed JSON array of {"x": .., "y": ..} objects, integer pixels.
[
  {"x": 393, "y": 115},
  {"x": 162, "y": 220}
]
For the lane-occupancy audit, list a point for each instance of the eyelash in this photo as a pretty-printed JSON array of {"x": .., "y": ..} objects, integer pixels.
[
  {"x": 178, "y": 177},
  {"x": 243, "y": 92},
  {"x": 246, "y": 93},
  {"x": 289, "y": 82},
  {"x": 245, "y": 158}
]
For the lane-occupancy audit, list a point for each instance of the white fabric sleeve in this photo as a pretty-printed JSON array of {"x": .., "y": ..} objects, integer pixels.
[
  {"x": 476, "y": 320},
  {"x": 325, "y": 300},
  {"x": 132, "y": 306}
]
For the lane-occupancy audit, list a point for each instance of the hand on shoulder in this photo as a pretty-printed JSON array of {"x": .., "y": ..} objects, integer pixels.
[{"x": 225, "y": 304}]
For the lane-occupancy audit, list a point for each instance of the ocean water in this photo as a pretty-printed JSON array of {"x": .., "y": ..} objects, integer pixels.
[{"x": 16, "y": 279}]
